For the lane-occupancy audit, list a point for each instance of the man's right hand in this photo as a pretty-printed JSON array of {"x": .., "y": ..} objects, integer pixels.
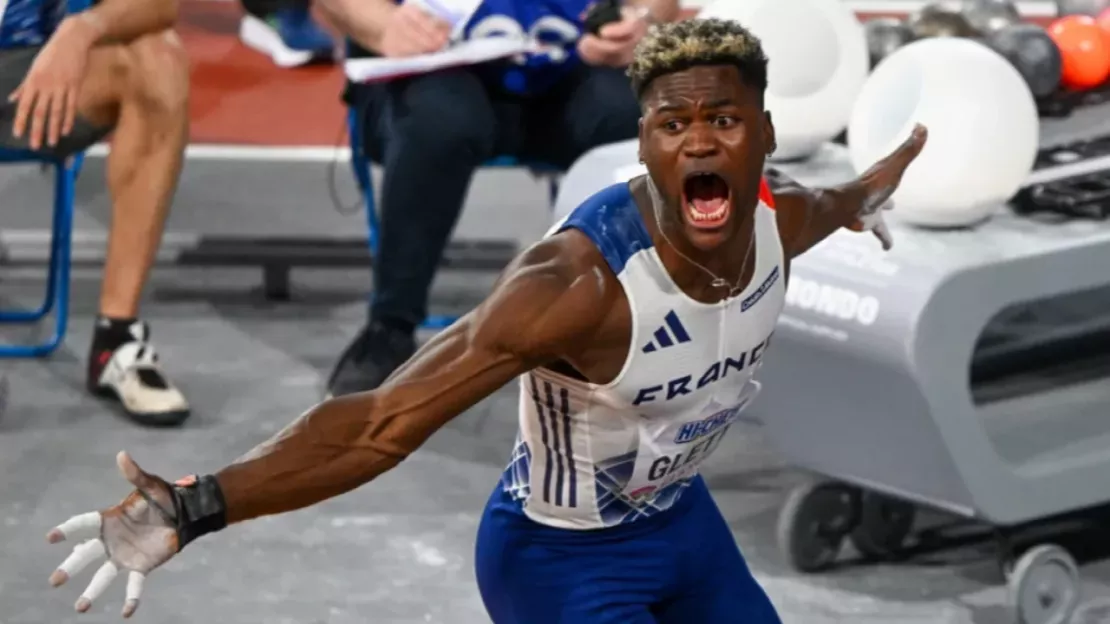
[
  {"x": 410, "y": 31},
  {"x": 134, "y": 536}
]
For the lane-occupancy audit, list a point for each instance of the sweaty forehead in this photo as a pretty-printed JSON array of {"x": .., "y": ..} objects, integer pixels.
[{"x": 698, "y": 85}]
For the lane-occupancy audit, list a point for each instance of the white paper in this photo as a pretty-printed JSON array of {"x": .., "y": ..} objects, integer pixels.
[
  {"x": 469, "y": 52},
  {"x": 455, "y": 12}
]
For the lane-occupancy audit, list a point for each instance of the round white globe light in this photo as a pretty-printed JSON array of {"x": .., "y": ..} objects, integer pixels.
[
  {"x": 982, "y": 121},
  {"x": 597, "y": 169},
  {"x": 817, "y": 64}
]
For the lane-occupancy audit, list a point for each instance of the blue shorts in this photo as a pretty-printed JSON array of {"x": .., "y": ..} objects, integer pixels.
[{"x": 681, "y": 566}]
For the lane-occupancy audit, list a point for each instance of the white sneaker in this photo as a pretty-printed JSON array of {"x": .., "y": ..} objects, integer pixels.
[
  {"x": 131, "y": 375},
  {"x": 291, "y": 38}
]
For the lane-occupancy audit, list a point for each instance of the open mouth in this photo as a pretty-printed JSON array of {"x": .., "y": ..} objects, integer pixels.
[{"x": 705, "y": 200}]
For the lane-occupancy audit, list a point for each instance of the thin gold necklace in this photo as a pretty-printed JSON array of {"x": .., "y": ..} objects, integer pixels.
[{"x": 717, "y": 281}]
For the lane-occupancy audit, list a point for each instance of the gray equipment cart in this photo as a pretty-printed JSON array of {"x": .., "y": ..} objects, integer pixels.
[{"x": 963, "y": 371}]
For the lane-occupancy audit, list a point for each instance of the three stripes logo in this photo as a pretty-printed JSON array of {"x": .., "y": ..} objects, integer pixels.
[
  {"x": 663, "y": 338},
  {"x": 553, "y": 411}
]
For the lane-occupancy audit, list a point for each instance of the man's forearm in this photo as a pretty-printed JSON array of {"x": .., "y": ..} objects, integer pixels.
[
  {"x": 123, "y": 21},
  {"x": 344, "y": 442},
  {"x": 808, "y": 216},
  {"x": 361, "y": 20},
  {"x": 830, "y": 209},
  {"x": 347, "y": 441},
  {"x": 333, "y": 448}
]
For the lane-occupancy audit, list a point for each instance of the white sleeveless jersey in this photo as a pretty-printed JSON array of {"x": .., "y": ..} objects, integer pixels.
[{"x": 591, "y": 456}]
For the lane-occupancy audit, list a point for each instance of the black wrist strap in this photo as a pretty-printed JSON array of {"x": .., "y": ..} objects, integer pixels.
[{"x": 198, "y": 508}]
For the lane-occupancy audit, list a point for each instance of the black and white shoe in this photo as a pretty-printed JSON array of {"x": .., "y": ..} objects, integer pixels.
[{"x": 123, "y": 366}]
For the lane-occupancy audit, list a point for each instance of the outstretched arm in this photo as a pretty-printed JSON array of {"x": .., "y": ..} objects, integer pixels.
[
  {"x": 547, "y": 305},
  {"x": 547, "y": 302},
  {"x": 808, "y": 216}
]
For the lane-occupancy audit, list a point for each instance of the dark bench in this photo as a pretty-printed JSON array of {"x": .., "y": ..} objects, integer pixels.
[{"x": 278, "y": 256}]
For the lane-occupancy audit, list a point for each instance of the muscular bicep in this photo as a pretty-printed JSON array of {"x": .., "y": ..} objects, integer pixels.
[{"x": 544, "y": 307}]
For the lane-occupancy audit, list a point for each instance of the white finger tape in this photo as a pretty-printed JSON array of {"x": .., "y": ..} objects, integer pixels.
[
  {"x": 84, "y": 526},
  {"x": 83, "y": 554},
  {"x": 135, "y": 585},
  {"x": 871, "y": 221},
  {"x": 100, "y": 581},
  {"x": 883, "y": 231}
]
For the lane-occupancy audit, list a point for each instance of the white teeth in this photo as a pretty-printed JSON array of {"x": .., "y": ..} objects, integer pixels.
[{"x": 696, "y": 215}]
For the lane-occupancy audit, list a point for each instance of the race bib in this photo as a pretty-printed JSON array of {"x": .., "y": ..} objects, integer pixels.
[{"x": 673, "y": 452}]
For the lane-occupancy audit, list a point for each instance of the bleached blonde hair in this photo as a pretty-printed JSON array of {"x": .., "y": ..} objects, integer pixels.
[{"x": 677, "y": 46}]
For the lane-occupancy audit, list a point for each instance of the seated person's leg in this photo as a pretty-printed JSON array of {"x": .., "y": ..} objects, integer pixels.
[
  {"x": 151, "y": 120},
  {"x": 141, "y": 91},
  {"x": 438, "y": 129},
  {"x": 285, "y": 31},
  {"x": 591, "y": 107}
]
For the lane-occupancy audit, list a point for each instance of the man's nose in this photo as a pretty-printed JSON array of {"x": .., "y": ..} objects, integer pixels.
[{"x": 700, "y": 142}]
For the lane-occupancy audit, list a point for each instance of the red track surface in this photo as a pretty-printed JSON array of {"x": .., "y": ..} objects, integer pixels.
[{"x": 240, "y": 97}]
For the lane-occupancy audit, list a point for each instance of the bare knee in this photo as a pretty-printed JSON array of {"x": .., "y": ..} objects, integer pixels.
[{"x": 158, "y": 74}]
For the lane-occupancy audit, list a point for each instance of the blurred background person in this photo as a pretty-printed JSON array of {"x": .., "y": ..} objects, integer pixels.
[
  {"x": 431, "y": 132},
  {"x": 71, "y": 80},
  {"x": 285, "y": 31}
]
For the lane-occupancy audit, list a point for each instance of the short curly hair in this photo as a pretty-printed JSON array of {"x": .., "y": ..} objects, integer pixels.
[{"x": 677, "y": 46}]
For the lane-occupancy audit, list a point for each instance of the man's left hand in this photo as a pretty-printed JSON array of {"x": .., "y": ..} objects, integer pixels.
[
  {"x": 47, "y": 97},
  {"x": 879, "y": 183},
  {"x": 614, "y": 43}
]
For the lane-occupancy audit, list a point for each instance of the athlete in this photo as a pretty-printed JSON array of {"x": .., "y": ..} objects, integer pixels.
[{"x": 635, "y": 328}]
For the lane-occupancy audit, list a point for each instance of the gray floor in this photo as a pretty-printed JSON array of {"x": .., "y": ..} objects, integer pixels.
[{"x": 398, "y": 550}]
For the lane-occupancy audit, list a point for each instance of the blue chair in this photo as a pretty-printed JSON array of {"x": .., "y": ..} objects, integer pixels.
[
  {"x": 56, "y": 299},
  {"x": 360, "y": 162},
  {"x": 57, "y": 282}
]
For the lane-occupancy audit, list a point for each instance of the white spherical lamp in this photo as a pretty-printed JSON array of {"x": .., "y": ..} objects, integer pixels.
[
  {"x": 982, "y": 121},
  {"x": 817, "y": 64}
]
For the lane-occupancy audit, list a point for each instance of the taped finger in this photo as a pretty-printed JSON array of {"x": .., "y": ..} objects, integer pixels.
[
  {"x": 100, "y": 581},
  {"x": 883, "y": 234},
  {"x": 134, "y": 592},
  {"x": 78, "y": 528},
  {"x": 83, "y": 554}
]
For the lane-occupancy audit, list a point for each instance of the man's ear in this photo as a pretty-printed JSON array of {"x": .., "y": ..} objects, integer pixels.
[
  {"x": 640, "y": 150},
  {"x": 769, "y": 133}
]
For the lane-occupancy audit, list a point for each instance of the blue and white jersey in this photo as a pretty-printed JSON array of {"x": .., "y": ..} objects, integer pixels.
[
  {"x": 591, "y": 456},
  {"x": 555, "y": 23},
  {"x": 26, "y": 23}
]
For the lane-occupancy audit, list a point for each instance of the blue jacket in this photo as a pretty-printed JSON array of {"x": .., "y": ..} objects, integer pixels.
[{"x": 554, "y": 22}]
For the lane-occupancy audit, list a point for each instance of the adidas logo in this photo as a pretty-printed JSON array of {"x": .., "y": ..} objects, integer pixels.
[{"x": 663, "y": 338}]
